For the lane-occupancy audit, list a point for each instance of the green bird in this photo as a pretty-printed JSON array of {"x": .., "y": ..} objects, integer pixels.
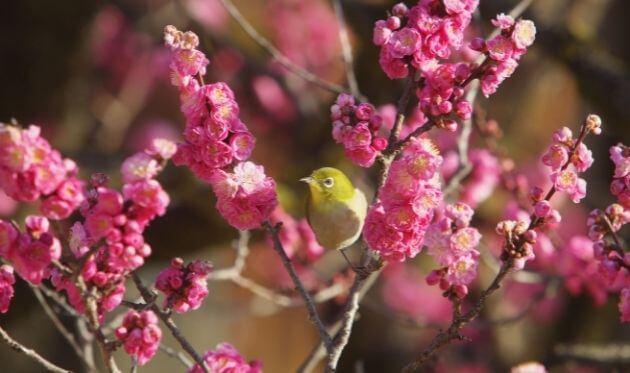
[{"x": 335, "y": 209}]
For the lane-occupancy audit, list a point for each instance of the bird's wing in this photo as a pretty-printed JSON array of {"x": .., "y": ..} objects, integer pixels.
[{"x": 361, "y": 202}]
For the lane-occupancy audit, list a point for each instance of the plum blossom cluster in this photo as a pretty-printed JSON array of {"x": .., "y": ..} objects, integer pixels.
[
  {"x": 611, "y": 254},
  {"x": 140, "y": 335},
  {"x": 226, "y": 359},
  {"x": 246, "y": 196},
  {"x": 396, "y": 224},
  {"x": 215, "y": 137},
  {"x": 297, "y": 237},
  {"x": 113, "y": 228},
  {"x": 423, "y": 39},
  {"x": 185, "y": 287},
  {"x": 6, "y": 287},
  {"x": 356, "y": 126},
  {"x": 30, "y": 169},
  {"x": 420, "y": 36},
  {"x": 30, "y": 252},
  {"x": 566, "y": 157},
  {"x": 452, "y": 243},
  {"x": 504, "y": 50}
]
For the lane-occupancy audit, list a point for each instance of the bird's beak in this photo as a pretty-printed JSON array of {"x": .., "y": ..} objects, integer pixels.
[{"x": 307, "y": 179}]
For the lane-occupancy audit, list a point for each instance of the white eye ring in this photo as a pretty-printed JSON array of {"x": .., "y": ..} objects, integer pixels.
[{"x": 329, "y": 182}]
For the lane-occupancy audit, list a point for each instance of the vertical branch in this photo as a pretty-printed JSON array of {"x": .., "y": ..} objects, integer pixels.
[
  {"x": 346, "y": 49},
  {"x": 310, "y": 306},
  {"x": 16, "y": 346}
]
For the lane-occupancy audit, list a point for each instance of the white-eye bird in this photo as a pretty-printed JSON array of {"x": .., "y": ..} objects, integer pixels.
[{"x": 335, "y": 209}]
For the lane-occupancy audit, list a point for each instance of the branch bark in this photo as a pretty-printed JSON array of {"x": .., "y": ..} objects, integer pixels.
[
  {"x": 16, "y": 346},
  {"x": 310, "y": 306}
]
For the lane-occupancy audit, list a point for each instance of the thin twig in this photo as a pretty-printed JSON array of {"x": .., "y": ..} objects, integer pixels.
[
  {"x": 68, "y": 336},
  {"x": 346, "y": 49},
  {"x": 310, "y": 306},
  {"x": 149, "y": 298},
  {"x": 234, "y": 275},
  {"x": 276, "y": 53},
  {"x": 177, "y": 355},
  {"x": 602, "y": 354},
  {"x": 16, "y": 346}
]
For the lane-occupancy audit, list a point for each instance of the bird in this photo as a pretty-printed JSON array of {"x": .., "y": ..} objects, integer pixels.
[{"x": 335, "y": 209}]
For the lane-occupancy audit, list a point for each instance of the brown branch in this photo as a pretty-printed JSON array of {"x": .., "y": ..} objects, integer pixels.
[
  {"x": 276, "y": 53},
  {"x": 149, "y": 298},
  {"x": 310, "y": 306},
  {"x": 16, "y": 346},
  {"x": 346, "y": 49}
]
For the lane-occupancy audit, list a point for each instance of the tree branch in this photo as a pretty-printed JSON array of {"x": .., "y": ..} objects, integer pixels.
[
  {"x": 310, "y": 306},
  {"x": 69, "y": 337},
  {"x": 277, "y": 54},
  {"x": 16, "y": 346},
  {"x": 234, "y": 274},
  {"x": 346, "y": 49}
]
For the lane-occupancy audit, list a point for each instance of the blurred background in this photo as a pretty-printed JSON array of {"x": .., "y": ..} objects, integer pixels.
[{"x": 94, "y": 75}]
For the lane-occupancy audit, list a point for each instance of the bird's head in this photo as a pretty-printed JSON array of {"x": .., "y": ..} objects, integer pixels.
[{"x": 329, "y": 183}]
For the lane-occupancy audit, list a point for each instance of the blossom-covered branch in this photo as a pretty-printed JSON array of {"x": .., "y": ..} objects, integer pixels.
[{"x": 520, "y": 236}]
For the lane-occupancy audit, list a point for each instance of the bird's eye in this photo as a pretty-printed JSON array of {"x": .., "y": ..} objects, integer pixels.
[{"x": 328, "y": 182}]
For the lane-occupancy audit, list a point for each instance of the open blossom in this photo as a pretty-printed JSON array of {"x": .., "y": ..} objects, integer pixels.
[
  {"x": 226, "y": 359},
  {"x": 246, "y": 196},
  {"x": 140, "y": 335},
  {"x": 31, "y": 169},
  {"x": 396, "y": 224},
  {"x": 185, "y": 287},
  {"x": 6, "y": 287},
  {"x": 504, "y": 50},
  {"x": 356, "y": 126},
  {"x": 30, "y": 253}
]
